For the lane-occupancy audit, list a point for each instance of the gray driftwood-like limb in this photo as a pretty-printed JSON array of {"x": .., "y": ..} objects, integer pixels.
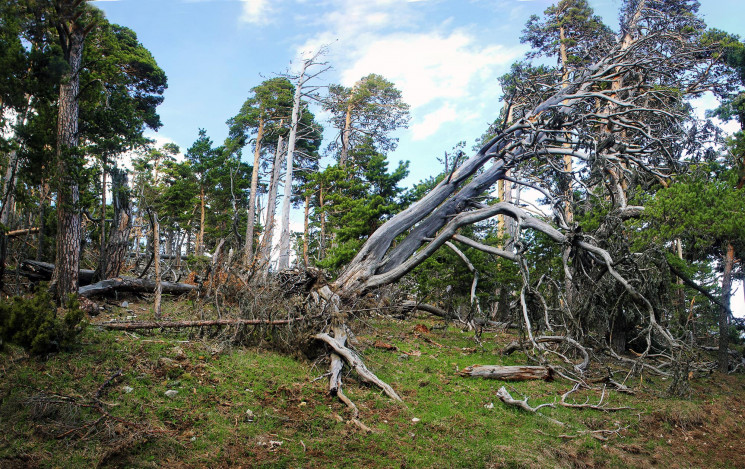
[
  {"x": 130, "y": 326},
  {"x": 25, "y": 231},
  {"x": 508, "y": 373},
  {"x": 358, "y": 365},
  {"x": 44, "y": 270},
  {"x": 129, "y": 284},
  {"x": 427, "y": 308},
  {"x": 586, "y": 405},
  {"x": 507, "y": 398},
  {"x": 560, "y": 338}
]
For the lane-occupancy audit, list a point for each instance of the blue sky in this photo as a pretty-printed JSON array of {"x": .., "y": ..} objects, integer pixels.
[{"x": 444, "y": 55}]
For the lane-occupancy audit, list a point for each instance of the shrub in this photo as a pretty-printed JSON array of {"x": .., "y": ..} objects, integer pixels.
[{"x": 34, "y": 324}]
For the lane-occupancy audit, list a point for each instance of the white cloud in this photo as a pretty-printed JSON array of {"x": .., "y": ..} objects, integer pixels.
[
  {"x": 255, "y": 11},
  {"x": 430, "y": 66},
  {"x": 433, "y": 121},
  {"x": 441, "y": 71}
]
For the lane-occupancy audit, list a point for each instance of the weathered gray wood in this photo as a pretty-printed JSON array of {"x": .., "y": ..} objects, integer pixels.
[
  {"x": 129, "y": 284},
  {"x": 46, "y": 269},
  {"x": 131, "y": 326},
  {"x": 358, "y": 365},
  {"x": 508, "y": 373}
]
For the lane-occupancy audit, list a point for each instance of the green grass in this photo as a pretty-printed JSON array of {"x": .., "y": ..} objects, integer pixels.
[{"x": 47, "y": 417}]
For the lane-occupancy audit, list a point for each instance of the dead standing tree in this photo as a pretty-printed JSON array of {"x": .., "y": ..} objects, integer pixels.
[{"x": 640, "y": 126}]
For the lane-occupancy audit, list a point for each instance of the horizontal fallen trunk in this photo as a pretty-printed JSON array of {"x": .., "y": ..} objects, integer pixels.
[
  {"x": 14, "y": 233},
  {"x": 508, "y": 373},
  {"x": 128, "y": 284},
  {"x": 44, "y": 270},
  {"x": 427, "y": 308},
  {"x": 131, "y": 326}
]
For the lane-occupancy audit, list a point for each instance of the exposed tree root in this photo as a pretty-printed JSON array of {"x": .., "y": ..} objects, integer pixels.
[
  {"x": 599, "y": 406},
  {"x": 356, "y": 363}
]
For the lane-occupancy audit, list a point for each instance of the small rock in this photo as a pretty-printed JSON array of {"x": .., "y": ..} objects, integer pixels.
[
  {"x": 415, "y": 420},
  {"x": 128, "y": 389},
  {"x": 250, "y": 415},
  {"x": 125, "y": 304},
  {"x": 171, "y": 393}
]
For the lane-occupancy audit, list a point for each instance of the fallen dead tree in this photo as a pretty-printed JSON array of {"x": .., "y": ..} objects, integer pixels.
[
  {"x": 508, "y": 373},
  {"x": 627, "y": 132},
  {"x": 138, "y": 285},
  {"x": 132, "y": 326},
  {"x": 37, "y": 270}
]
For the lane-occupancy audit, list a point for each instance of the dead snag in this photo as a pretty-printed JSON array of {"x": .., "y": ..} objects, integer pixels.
[{"x": 508, "y": 373}]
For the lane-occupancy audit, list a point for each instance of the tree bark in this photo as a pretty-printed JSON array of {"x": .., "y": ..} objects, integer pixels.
[
  {"x": 248, "y": 249},
  {"x": 138, "y": 285},
  {"x": 284, "y": 239},
  {"x": 69, "y": 230},
  {"x": 346, "y": 133},
  {"x": 724, "y": 313},
  {"x": 306, "y": 262},
  {"x": 156, "y": 257},
  {"x": 267, "y": 241},
  {"x": 200, "y": 237},
  {"x": 508, "y": 373},
  {"x": 115, "y": 250}
]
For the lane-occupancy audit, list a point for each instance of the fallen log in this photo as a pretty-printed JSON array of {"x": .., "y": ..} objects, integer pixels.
[
  {"x": 131, "y": 326},
  {"x": 128, "y": 284},
  {"x": 43, "y": 270},
  {"x": 14, "y": 233},
  {"x": 508, "y": 373}
]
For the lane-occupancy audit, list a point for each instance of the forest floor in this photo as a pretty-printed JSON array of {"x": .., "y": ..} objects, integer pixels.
[{"x": 105, "y": 404}]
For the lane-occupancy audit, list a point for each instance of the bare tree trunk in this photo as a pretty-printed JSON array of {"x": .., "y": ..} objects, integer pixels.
[
  {"x": 69, "y": 230},
  {"x": 267, "y": 241},
  {"x": 156, "y": 256},
  {"x": 115, "y": 250},
  {"x": 322, "y": 216},
  {"x": 284, "y": 239},
  {"x": 724, "y": 313},
  {"x": 306, "y": 262},
  {"x": 346, "y": 134},
  {"x": 102, "y": 220},
  {"x": 200, "y": 238},
  {"x": 248, "y": 249}
]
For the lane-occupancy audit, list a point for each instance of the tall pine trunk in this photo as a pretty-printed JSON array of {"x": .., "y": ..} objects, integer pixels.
[{"x": 69, "y": 230}]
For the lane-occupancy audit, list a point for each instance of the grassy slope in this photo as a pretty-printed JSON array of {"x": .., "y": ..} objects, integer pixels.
[{"x": 48, "y": 417}]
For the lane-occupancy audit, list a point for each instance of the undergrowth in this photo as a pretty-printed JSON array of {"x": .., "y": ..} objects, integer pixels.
[{"x": 105, "y": 404}]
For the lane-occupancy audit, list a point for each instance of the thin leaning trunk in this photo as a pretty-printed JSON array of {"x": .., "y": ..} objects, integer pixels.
[
  {"x": 267, "y": 240},
  {"x": 305, "y": 232},
  {"x": 156, "y": 257},
  {"x": 248, "y": 249},
  {"x": 284, "y": 239},
  {"x": 200, "y": 240},
  {"x": 724, "y": 313}
]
